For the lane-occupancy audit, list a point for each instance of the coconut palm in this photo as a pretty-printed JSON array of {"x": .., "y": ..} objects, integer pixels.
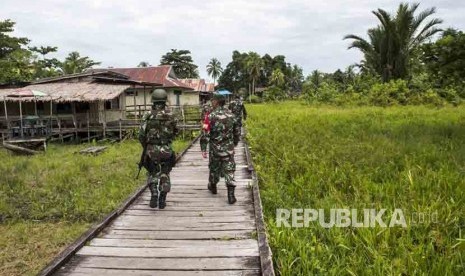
[
  {"x": 214, "y": 69},
  {"x": 392, "y": 43},
  {"x": 254, "y": 65},
  {"x": 74, "y": 63},
  {"x": 277, "y": 78}
]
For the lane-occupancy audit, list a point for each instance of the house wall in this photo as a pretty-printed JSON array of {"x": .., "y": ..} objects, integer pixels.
[
  {"x": 186, "y": 97},
  {"x": 144, "y": 97}
]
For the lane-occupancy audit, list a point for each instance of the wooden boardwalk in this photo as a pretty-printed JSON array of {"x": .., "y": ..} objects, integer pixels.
[{"x": 198, "y": 233}]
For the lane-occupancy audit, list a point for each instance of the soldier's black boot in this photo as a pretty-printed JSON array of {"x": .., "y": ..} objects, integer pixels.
[
  {"x": 162, "y": 200},
  {"x": 154, "y": 199},
  {"x": 231, "y": 197},
  {"x": 154, "y": 192},
  {"x": 212, "y": 188}
]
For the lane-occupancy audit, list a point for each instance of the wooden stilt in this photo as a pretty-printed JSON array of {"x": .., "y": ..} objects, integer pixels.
[
  {"x": 51, "y": 116},
  {"x": 21, "y": 117},
  {"x": 59, "y": 130},
  {"x": 6, "y": 114},
  {"x": 120, "y": 126},
  {"x": 145, "y": 101},
  {"x": 88, "y": 127},
  {"x": 104, "y": 122},
  {"x": 73, "y": 107}
]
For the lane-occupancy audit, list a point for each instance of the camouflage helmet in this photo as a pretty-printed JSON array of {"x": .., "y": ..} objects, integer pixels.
[{"x": 159, "y": 95}]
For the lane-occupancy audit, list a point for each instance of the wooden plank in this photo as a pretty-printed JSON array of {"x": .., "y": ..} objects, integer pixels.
[
  {"x": 166, "y": 252},
  {"x": 234, "y": 263},
  {"x": 190, "y": 208},
  {"x": 173, "y": 214},
  {"x": 197, "y": 219},
  {"x": 223, "y": 204},
  {"x": 136, "y": 243},
  {"x": 111, "y": 232},
  {"x": 193, "y": 201},
  {"x": 78, "y": 271},
  {"x": 197, "y": 226}
]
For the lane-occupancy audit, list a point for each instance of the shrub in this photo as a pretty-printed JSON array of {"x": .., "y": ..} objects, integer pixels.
[
  {"x": 256, "y": 99},
  {"x": 274, "y": 93}
]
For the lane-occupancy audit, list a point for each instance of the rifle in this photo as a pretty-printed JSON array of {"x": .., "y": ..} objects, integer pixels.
[{"x": 142, "y": 160}]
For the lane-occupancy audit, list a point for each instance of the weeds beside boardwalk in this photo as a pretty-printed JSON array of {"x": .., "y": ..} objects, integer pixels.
[
  {"x": 50, "y": 199},
  {"x": 412, "y": 158}
]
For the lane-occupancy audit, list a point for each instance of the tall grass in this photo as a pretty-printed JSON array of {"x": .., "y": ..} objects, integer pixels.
[
  {"x": 48, "y": 200},
  {"x": 412, "y": 158}
]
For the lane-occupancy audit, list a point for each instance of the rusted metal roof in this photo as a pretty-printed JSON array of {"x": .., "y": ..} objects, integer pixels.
[
  {"x": 104, "y": 72},
  {"x": 70, "y": 92},
  {"x": 162, "y": 74},
  {"x": 199, "y": 85}
]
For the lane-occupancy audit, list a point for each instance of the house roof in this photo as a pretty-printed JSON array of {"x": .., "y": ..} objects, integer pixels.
[
  {"x": 100, "y": 75},
  {"x": 70, "y": 92},
  {"x": 162, "y": 74},
  {"x": 199, "y": 85}
]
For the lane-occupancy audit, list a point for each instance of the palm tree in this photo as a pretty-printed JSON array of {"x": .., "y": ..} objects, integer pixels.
[
  {"x": 315, "y": 78},
  {"x": 214, "y": 69},
  {"x": 254, "y": 65},
  {"x": 277, "y": 78},
  {"x": 392, "y": 43},
  {"x": 74, "y": 63}
]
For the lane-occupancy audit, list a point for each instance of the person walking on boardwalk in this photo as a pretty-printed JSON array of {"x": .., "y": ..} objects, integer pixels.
[
  {"x": 222, "y": 133},
  {"x": 238, "y": 109},
  {"x": 156, "y": 135}
]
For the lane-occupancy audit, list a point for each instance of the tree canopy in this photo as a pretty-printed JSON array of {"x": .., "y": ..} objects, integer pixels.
[
  {"x": 252, "y": 70},
  {"x": 182, "y": 62},
  {"x": 21, "y": 63},
  {"x": 214, "y": 69},
  {"x": 393, "y": 43}
]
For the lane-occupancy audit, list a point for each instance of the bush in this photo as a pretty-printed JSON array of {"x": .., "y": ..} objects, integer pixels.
[
  {"x": 274, "y": 93},
  {"x": 391, "y": 93},
  {"x": 256, "y": 99}
]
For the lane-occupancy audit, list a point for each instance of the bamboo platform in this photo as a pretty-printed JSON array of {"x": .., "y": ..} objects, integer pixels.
[{"x": 198, "y": 233}]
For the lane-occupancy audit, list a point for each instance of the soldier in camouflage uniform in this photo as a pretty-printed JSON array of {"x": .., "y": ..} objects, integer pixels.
[
  {"x": 221, "y": 132},
  {"x": 238, "y": 109},
  {"x": 206, "y": 109},
  {"x": 156, "y": 134}
]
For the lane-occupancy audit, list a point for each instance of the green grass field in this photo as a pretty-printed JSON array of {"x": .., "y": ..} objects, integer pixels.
[
  {"x": 50, "y": 199},
  {"x": 412, "y": 158}
]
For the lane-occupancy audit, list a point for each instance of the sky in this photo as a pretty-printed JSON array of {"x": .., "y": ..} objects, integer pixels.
[{"x": 124, "y": 33}]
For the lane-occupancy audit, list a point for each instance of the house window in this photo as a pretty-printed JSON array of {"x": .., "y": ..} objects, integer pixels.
[
  {"x": 40, "y": 106},
  {"x": 131, "y": 93},
  {"x": 112, "y": 104},
  {"x": 82, "y": 107},
  {"x": 64, "y": 108},
  {"x": 178, "y": 96}
]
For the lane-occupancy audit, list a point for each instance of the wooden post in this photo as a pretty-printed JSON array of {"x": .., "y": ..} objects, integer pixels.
[
  {"x": 135, "y": 100},
  {"x": 88, "y": 126},
  {"x": 120, "y": 126},
  {"x": 21, "y": 116},
  {"x": 145, "y": 101},
  {"x": 51, "y": 116},
  {"x": 6, "y": 113},
  {"x": 59, "y": 129},
  {"x": 104, "y": 121},
  {"x": 73, "y": 107}
]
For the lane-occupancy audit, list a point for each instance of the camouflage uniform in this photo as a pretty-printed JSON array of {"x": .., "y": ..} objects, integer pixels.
[
  {"x": 222, "y": 135},
  {"x": 238, "y": 109},
  {"x": 206, "y": 109},
  {"x": 157, "y": 132}
]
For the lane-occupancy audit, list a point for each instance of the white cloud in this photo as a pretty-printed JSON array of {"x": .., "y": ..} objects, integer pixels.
[{"x": 123, "y": 33}]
